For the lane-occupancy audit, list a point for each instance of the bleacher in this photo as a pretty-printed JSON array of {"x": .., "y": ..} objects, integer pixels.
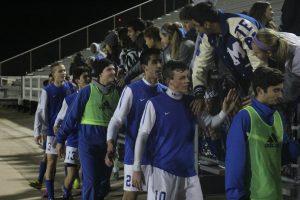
[{"x": 234, "y": 6}]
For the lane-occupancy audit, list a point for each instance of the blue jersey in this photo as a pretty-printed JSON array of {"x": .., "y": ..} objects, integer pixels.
[
  {"x": 72, "y": 139},
  {"x": 237, "y": 149},
  {"x": 141, "y": 93},
  {"x": 55, "y": 97},
  {"x": 171, "y": 141}
]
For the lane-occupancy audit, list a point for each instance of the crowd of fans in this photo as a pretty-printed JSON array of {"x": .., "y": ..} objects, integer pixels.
[{"x": 232, "y": 61}]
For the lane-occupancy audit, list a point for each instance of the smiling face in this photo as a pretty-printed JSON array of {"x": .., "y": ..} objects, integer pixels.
[
  {"x": 108, "y": 75},
  {"x": 272, "y": 95}
]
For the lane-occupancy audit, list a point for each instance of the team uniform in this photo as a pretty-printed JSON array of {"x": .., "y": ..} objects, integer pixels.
[
  {"x": 168, "y": 127},
  {"x": 72, "y": 139},
  {"x": 50, "y": 104},
  {"x": 232, "y": 46},
  {"x": 92, "y": 110},
  {"x": 253, "y": 154},
  {"x": 40, "y": 129},
  {"x": 130, "y": 110}
]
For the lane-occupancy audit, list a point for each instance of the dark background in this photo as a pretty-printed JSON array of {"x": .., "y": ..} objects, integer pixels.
[{"x": 27, "y": 25}]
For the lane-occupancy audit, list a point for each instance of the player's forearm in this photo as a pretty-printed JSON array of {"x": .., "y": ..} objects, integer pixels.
[
  {"x": 120, "y": 114},
  {"x": 113, "y": 128},
  {"x": 140, "y": 144},
  {"x": 218, "y": 119}
]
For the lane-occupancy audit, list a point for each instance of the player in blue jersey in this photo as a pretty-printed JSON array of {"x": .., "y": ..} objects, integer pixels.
[
  {"x": 81, "y": 78},
  {"x": 51, "y": 100},
  {"x": 129, "y": 111},
  {"x": 39, "y": 129},
  {"x": 166, "y": 133},
  {"x": 91, "y": 111}
]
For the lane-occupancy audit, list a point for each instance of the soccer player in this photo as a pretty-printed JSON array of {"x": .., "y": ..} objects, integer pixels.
[
  {"x": 168, "y": 126},
  {"x": 255, "y": 142},
  {"x": 81, "y": 78},
  {"x": 51, "y": 100},
  {"x": 129, "y": 110},
  {"x": 92, "y": 110}
]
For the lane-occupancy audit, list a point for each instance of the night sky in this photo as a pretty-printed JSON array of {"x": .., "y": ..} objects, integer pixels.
[{"x": 27, "y": 25}]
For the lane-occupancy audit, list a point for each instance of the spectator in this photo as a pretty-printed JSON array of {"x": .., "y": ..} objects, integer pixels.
[
  {"x": 152, "y": 37},
  {"x": 128, "y": 57},
  {"x": 290, "y": 17},
  {"x": 174, "y": 46},
  {"x": 135, "y": 32},
  {"x": 210, "y": 121},
  {"x": 281, "y": 50},
  {"x": 190, "y": 30},
  {"x": 112, "y": 47},
  {"x": 96, "y": 52},
  {"x": 184, "y": 15},
  {"x": 229, "y": 37},
  {"x": 78, "y": 60},
  {"x": 263, "y": 13}
]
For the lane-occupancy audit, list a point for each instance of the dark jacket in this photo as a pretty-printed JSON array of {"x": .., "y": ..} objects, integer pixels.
[{"x": 290, "y": 17}]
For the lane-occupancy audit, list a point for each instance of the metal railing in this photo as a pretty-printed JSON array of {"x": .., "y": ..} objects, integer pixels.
[{"x": 148, "y": 10}]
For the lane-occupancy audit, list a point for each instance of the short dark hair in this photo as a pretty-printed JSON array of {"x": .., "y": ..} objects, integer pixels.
[
  {"x": 171, "y": 66},
  {"x": 137, "y": 25},
  {"x": 203, "y": 12},
  {"x": 265, "y": 77},
  {"x": 185, "y": 12},
  {"x": 125, "y": 41},
  {"x": 80, "y": 70},
  {"x": 99, "y": 66},
  {"x": 152, "y": 32},
  {"x": 145, "y": 55}
]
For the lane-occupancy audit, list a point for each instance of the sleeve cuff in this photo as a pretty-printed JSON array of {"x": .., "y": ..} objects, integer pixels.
[
  {"x": 136, "y": 168},
  {"x": 222, "y": 114}
]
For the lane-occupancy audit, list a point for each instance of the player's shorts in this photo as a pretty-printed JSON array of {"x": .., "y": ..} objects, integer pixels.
[
  {"x": 71, "y": 155},
  {"x": 165, "y": 186},
  {"x": 128, "y": 171},
  {"x": 51, "y": 145}
]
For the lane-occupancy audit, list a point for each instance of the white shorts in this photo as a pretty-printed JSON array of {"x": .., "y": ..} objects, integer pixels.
[
  {"x": 51, "y": 145},
  {"x": 128, "y": 171},
  {"x": 166, "y": 186},
  {"x": 71, "y": 155}
]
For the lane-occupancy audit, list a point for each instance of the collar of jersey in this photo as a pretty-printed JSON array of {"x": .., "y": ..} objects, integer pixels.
[
  {"x": 174, "y": 95},
  {"x": 149, "y": 84},
  {"x": 104, "y": 89}
]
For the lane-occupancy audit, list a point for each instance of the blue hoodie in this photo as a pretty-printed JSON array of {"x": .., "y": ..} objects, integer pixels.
[{"x": 236, "y": 151}]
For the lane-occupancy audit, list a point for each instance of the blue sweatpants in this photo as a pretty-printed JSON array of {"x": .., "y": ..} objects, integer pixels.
[{"x": 95, "y": 173}]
